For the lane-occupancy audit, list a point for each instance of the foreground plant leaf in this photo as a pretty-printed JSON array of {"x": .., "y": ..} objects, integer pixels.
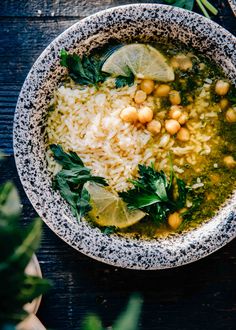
[
  {"x": 128, "y": 320},
  {"x": 17, "y": 246}
]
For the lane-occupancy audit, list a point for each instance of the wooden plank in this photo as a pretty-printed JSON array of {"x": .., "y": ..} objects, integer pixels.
[
  {"x": 71, "y": 8},
  {"x": 77, "y": 8},
  {"x": 196, "y": 296},
  {"x": 22, "y": 41}
]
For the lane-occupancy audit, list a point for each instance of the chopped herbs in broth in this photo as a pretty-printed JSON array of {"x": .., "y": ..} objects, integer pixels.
[{"x": 142, "y": 138}]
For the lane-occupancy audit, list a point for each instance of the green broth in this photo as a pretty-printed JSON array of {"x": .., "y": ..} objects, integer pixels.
[
  {"x": 219, "y": 181},
  {"x": 210, "y": 180}
]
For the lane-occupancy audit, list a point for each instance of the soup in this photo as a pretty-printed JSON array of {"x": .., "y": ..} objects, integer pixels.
[{"x": 141, "y": 138}]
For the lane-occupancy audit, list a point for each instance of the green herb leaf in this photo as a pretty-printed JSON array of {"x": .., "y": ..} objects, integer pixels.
[
  {"x": 85, "y": 70},
  {"x": 109, "y": 230},
  {"x": 154, "y": 193},
  {"x": 71, "y": 179},
  {"x": 65, "y": 159},
  {"x": 122, "y": 81}
]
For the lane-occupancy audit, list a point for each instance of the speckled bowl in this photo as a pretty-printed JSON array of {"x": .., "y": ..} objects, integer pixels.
[
  {"x": 233, "y": 5},
  {"x": 140, "y": 22}
]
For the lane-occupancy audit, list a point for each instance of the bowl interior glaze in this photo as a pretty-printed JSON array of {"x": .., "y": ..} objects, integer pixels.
[{"x": 140, "y": 22}]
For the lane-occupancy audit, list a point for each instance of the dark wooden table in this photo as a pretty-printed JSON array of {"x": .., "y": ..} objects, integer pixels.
[{"x": 197, "y": 296}]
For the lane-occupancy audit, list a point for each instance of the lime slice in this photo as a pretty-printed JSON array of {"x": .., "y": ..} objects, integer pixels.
[
  {"x": 143, "y": 61},
  {"x": 109, "y": 210}
]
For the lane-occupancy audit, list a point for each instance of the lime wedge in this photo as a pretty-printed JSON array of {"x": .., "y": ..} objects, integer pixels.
[
  {"x": 143, "y": 61},
  {"x": 109, "y": 210}
]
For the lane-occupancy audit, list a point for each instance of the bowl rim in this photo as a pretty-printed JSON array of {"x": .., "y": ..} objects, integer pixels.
[
  {"x": 232, "y": 4},
  {"x": 220, "y": 241}
]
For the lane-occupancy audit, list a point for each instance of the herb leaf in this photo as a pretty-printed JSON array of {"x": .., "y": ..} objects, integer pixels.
[
  {"x": 108, "y": 230},
  {"x": 71, "y": 179},
  {"x": 84, "y": 70},
  {"x": 154, "y": 193},
  {"x": 122, "y": 81}
]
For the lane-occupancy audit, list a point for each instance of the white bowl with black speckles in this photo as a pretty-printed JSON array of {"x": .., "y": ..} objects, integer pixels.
[
  {"x": 233, "y": 6},
  {"x": 140, "y": 22}
]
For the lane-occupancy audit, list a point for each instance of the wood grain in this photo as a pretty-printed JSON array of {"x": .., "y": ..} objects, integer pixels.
[{"x": 197, "y": 296}]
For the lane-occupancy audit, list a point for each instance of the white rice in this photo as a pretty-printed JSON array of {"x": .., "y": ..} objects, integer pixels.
[{"x": 87, "y": 121}]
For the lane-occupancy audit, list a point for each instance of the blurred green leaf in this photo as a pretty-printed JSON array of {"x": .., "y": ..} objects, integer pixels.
[
  {"x": 23, "y": 253},
  {"x": 17, "y": 246},
  {"x": 92, "y": 322},
  {"x": 129, "y": 319},
  {"x": 32, "y": 287},
  {"x": 9, "y": 201}
]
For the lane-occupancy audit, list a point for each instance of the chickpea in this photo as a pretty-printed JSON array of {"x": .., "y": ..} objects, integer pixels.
[
  {"x": 181, "y": 61},
  {"x": 174, "y": 220},
  {"x": 174, "y": 63},
  {"x": 229, "y": 161},
  {"x": 154, "y": 126},
  {"x": 224, "y": 103},
  {"x": 215, "y": 178},
  {"x": 211, "y": 196},
  {"x": 162, "y": 90},
  {"x": 175, "y": 111},
  {"x": 140, "y": 97},
  {"x": 129, "y": 115},
  {"x": 186, "y": 64},
  {"x": 147, "y": 85},
  {"x": 231, "y": 115},
  {"x": 172, "y": 126},
  {"x": 183, "y": 134},
  {"x": 145, "y": 115},
  {"x": 174, "y": 97},
  {"x": 222, "y": 87},
  {"x": 183, "y": 118}
]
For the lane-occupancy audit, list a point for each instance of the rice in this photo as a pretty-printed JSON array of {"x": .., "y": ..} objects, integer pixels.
[{"x": 87, "y": 121}]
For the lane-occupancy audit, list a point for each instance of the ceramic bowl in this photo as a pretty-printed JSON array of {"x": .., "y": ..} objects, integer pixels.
[
  {"x": 233, "y": 5},
  {"x": 144, "y": 23}
]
